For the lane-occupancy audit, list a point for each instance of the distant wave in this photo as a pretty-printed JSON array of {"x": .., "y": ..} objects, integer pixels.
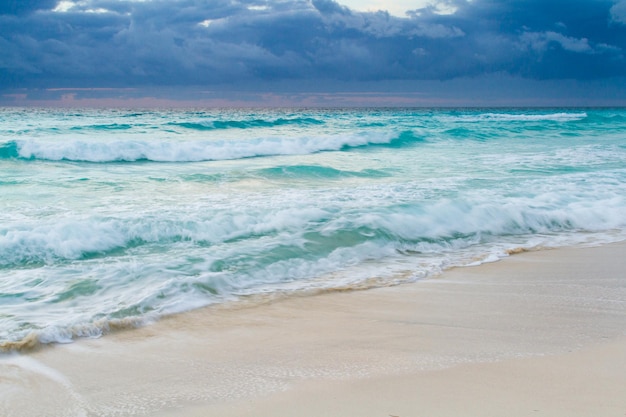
[
  {"x": 109, "y": 126},
  {"x": 246, "y": 124},
  {"x": 188, "y": 151},
  {"x": 520, "y": 117}
]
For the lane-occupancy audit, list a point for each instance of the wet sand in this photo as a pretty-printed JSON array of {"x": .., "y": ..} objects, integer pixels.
[{"x": 539, "y": 333}]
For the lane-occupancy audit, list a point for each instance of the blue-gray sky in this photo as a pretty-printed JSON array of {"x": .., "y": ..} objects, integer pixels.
[{"x": 313, "y": 52}]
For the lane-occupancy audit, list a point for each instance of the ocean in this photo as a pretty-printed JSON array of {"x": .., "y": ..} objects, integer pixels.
[{"x": 115, "y": 218}]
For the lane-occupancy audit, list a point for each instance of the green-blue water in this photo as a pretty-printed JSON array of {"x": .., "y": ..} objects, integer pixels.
[{"x": 115, "y": 215}]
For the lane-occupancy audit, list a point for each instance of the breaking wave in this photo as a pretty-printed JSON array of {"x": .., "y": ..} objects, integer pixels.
[{"x": 187, "y": 151}]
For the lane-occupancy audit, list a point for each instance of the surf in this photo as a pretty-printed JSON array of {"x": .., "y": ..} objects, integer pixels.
[
  {"x": 159, "y": 150},
  {"x": 112, "y": 216}
]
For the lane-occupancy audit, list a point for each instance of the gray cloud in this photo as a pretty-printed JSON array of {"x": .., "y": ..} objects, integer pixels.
[
  {"x": 122, "y": 43},
  {"x": 618, "y": 12},
  {"x": 22, "y": 7}
]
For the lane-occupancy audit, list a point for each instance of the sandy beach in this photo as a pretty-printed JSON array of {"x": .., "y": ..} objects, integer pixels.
[{"x": 537, "y": 334}]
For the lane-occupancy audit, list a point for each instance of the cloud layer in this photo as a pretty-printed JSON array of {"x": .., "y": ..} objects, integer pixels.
[{"x": 125, "y": 43}]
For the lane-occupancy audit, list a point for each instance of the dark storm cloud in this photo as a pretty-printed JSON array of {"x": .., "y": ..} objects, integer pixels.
[
  {"x": 20, "y": 7},
  {"x": 120, "y": 43}
]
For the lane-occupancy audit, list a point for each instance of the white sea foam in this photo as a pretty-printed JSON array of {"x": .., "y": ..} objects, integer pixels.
[
  {"x": 548, "y": 210},
  {"x": 161, "y": 150}
]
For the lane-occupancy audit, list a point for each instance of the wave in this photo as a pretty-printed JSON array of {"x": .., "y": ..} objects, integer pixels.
[
  {"x": 317, "y": 230},
  {"x": 59, "y": 334},
  {"x": 608, "y": 119},
  {"x": 9, "y": 150},
  {"x": 109, "y": 126},
  {"x": 246, "y": 124},
  {"x": 80, "y": 239},
  {"x": 188, "y": 151},
  {"x": 214, "y": 256},
  {"x": 254, "y": 253},
  {"x": 317, "y": 171},
  {"x": 519, "y": 117}
]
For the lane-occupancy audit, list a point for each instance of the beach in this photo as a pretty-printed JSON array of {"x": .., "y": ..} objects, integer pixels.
[
  {"x": 537, "y": 333},
  {"x": 312, "y": 208}
]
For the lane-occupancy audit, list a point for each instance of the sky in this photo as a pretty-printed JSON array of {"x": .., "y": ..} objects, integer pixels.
[{"x": 312, "y": 52}]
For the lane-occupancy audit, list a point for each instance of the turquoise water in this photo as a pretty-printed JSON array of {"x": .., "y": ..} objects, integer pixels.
[{"x": 113, "y": 216}]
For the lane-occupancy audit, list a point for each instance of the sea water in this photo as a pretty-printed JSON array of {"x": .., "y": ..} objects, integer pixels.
[{"x": 111, "y": 217}]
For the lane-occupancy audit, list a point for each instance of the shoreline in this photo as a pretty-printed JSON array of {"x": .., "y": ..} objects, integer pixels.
[{"x": 542, "y": 330}]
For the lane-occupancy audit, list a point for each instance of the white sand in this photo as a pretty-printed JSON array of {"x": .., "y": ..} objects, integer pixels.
[{"x": 541, "y": 333}]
